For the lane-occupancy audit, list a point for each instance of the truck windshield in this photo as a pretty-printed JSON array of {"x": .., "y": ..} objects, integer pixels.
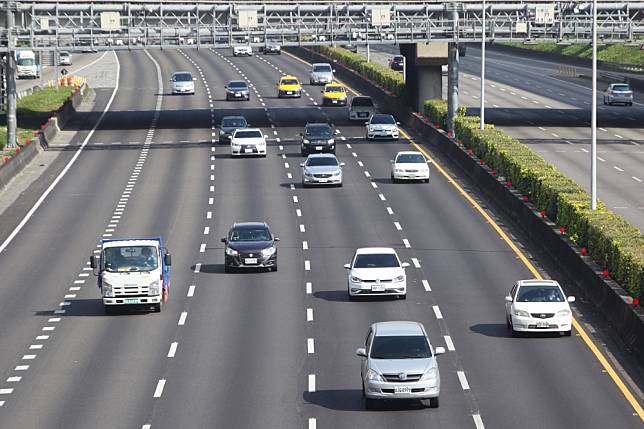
[
  {"x": 130, "y": 258},
  {"x": 26, "y": 62}
]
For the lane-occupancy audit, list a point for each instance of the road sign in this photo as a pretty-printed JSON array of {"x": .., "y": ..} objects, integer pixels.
[
  {"x": 64, "y": 72},
  {"x": 110, "y": 21},
  {"x": 380, "y": 16},
  {"x": 544, "y": 14},
  {"x": 248, "y": 18}
]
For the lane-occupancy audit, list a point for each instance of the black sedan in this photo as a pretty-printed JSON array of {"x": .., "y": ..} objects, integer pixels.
[{"x": 250, "y": 245}]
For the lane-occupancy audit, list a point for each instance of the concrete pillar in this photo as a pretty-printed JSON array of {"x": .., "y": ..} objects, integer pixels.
[
  {"x": 452, "y": 85},
  {"x": 424, "y": 76},
  {"x": 430, "y": 84}
]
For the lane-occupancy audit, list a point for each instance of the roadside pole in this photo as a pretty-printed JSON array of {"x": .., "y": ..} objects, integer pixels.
[
  {"x": 404, "y": 69},
  {"x": 368, "y": 53},
  {"x": 452, "y": 75},
  {"x": 482, "y": 115},
  {"x": 11, "y": 82},
  {"x": 593, "y": 119}
]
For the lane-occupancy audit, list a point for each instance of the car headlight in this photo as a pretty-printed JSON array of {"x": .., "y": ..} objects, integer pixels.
[
  {"x": 268, "y": 251},
  {"x": 330, "y": 141},
  {"x": 373, "y": 375},
  {"x": 154, "y": 289},
  {"x": 231, "y": 252},
  {"x": 306, "y": 141},
  {"x": 563, "y": 313},
  {"x": 342, "y": 98},
  {"x": 337, "y": 173},
  {"x": 399, "y": 170},
  {"x": 521, "y": 313},
  {"x": 308, "y": 173},
  {"x": 432, "y": 374},
  {"x": 356, "y": 279},
  {"x": 399, "y": 278},
  {"x": 108, "y": 291}
]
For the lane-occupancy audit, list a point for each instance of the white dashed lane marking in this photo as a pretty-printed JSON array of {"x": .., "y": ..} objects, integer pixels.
[
  {"x": 461, "y": 377},
  {"x": 173, "y": 349},
  {"x": 159, "y": 389},
  {"x": 437, "y": 312},
  {"x": 449, "y": 343},
  {"x": 426, "y": 285}
]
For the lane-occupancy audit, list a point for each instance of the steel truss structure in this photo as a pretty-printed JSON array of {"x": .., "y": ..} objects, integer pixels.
[{"x": 100, "y": 25}]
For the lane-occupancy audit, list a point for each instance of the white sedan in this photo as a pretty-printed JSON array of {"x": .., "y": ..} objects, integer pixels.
[
  {"x": 242, "y": 50},
  {"x": 382, "y": 126},
  {"x": 248, "y": 141},
  {"x": 409, "y": 165},
  {"x": 538, "y": 306},
  {"x": 376, "y": 271}
]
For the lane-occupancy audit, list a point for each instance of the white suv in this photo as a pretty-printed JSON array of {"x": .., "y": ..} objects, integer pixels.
[
  {"x": 376, "y": 271},
  {"x": 248, "y": 141},
  {"x": 538, "y": 306}
]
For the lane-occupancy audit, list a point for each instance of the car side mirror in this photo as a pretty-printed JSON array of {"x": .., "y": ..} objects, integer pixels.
[
  {"x": 397, "y": 123},
  {"x": 571, "y": 299},
  {"x": 167, "y": 259},
  {"x": 508, "y": 299},
  {"x": 171, "y": 80},
  {"x": 224, "y": 240},
  {"x": 333, "y": 70},
  {"x": 276, "y": 239},
  {"x": 366, "y": 123},
  {"x": 347, "y": 266},
  {"x": 392, "y": 161},
  {"x": 361, "y": 351},
  {"x": 301, "y": 164},
  {"x": 321, "y": 92},
  {"x": 429, "y": 161},
  {"x": 194, "y": 78},
  {"x": 342, "y": 164},
  {"x": 405, "y": 264},
  {"x": 92, "y": 261},
  {"x": 439, "y": 351}
]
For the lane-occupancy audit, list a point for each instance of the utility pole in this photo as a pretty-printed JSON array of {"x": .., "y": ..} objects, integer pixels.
[
  {"x": 593, "y": 118},
  {"x": 452, "y": 74},
  {"x": 483, "y": 34},
  {"x": 11, "y": 79}
]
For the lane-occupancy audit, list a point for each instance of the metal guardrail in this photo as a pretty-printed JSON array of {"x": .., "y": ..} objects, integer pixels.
[{"x": 154, "y": 24}]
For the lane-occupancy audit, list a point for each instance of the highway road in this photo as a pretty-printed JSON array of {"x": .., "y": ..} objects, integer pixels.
[
  {"x": 550, "y": 112},
  {"x": 269, "y": 350}
]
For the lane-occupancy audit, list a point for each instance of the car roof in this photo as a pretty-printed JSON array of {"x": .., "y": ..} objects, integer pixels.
[
  {"x": 398, "y": 328},
  {"x": 317, "y": 124},
  {"x": 237, "y": 81},
  {"x": 288, "y": 76},
  {"x": 182, "y": 72},
  {"x": 243, "y": 225},
  {"x": 382, "y": 115},
  {"x": 233, "y": 117},
  {"x": 320, "y": 64},
  {"x": 537, "y": 282},
  {"x": 321, "y": 155},
  {"x": 333, "y": 84},
  {"x": 248, "y": 129},
  {"x": 374, "y": 250},
  {"x": 408, "y": 152}
]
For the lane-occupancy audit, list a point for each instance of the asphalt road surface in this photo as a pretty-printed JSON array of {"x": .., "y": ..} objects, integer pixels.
[{"x": 264, "y": 350}]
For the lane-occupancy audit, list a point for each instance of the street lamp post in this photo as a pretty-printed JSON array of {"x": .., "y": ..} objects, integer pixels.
[
  {"x": 482, "y": 115},
  {"x": 593, "y": 119}
]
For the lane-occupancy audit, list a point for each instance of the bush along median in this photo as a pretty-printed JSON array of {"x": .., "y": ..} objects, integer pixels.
[
  {"x": 383, "y": 76},
  {"x": 608, "y": 238}
]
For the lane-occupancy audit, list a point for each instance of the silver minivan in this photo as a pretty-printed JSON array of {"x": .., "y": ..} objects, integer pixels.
[
  {"x": 361, "y": 108},
  {"x": 321, "y": 74},
  {"x": 399, "y": 362}
]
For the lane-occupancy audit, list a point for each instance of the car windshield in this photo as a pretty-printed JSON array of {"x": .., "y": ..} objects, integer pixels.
[
  {"x": 322, "y": 69},
  {"x": 383, "y": 119},
  {"x": 250, "y": 234},
  {"x": 334, "y": 89},
  {"x": 290, "y": 82},
  {"x": 539, "y": 294},
  {"x": 64, "y": 54},
  {"x": 410, "y": 158},
  {"x": 398, "y": 59},
  {"x": 182, "y": 77},
  {"x": 130, "y": 258},
  {"x": 318, "y": 131},
  {"x": 362, "y": 101},
  {"x": 233, "y": 122},
  {"x": 248, "y": 134},
  {"x": 376, "y": 260},
  {"x": 403, "y": 347},
  {"x": 237, "y": 84},
  {"x": 621, "y": 88},
  {"x": 26, "y": 62},
  {"x": 323, "y": 160}
]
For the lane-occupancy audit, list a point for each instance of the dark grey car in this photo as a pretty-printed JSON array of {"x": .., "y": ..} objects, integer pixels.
[
  {"x": 316, "y": 138},
  {"x": 250, "y": 245},
  {"x": 237, "y": 90},
  {"x": 228, "y": 125}
]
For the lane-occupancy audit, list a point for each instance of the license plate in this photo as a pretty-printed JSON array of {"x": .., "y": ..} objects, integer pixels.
[
  {"x": 131, "y": 300},
  {"x": 334, "y": 101},
  {"x": 402, "y": 389},
  {"x": 377, "y": 288},
  {"x": 318, "y": 148},
  {"x": 363, "y": 115},
  {"x": 543, "y": 325},
  {"x": 289, "y": 92},
  {"x": 248, "y": 150},
  {"x": 237, "y": 95},
  {"x": 250, "y": 261},
  {"x": 322, "y": 180}
]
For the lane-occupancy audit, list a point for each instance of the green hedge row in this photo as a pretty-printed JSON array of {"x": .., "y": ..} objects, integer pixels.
[
  {"x": 382, "y": 75},
  {"x": 611, "y": 241}
]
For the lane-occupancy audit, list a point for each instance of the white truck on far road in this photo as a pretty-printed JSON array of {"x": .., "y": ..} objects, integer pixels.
[
  {"x": 133, "y": 272},
  {"x": 26, "y": 65}
]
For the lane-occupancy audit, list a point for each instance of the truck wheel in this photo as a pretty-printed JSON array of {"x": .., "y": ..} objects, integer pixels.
[{"x": 157, "y": 307}]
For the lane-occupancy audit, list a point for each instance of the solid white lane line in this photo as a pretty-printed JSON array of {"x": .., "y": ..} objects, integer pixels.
[
  {"x": 390, "y": 211},
  {"x": 309, "y": 314},
  {"x": 397, "y": 225},
  {"x": 311, "y": 383},
  {"x": 173, "y": 349},
  {"x": 309, "y": 288},
  {"x": 437, "y": 312},
  {"x": 461, "y": 377},
  {"x": 191, "y": 291},
  {"x": 307, "y": 265},
  {"x": 159, "y": 390},
  {"x": 426, "y": 285},
  {"x": 449, "y": 343},
  {"x": 415, "y": 262},
  {"x": 406, "y": 243},
  {"x": 182, "y": 318},
  {"x": 197, "y": 267},
  {"x": 310, "y": 346}
]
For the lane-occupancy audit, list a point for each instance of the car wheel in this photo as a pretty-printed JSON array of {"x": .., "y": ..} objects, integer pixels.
[
  {"x": 507, "y": 322},
  {"x": 630, "y": 104},
  {"x": 393, "y": 179},
  {"x": 515, "y": 334},
  {"x": 433, "y": 402},
  {"x": 605, "y": 101},
  {"x": 426, "y": 180},
  {"x": 340, "y": 185},
  {"x": 567, "y": 333},
  {"x": 402, "y": 296}
]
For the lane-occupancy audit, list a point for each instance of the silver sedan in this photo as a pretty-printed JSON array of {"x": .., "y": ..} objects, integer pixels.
[{"x": 321, "y": 169}]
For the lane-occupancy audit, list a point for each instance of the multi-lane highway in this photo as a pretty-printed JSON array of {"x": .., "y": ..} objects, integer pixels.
[
  {"x": 265, "y": 350},
  {"x": 536, "y": 103}
]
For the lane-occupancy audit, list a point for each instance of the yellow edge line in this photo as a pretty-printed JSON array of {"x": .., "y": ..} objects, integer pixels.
[{"x": 582, "y": 333}]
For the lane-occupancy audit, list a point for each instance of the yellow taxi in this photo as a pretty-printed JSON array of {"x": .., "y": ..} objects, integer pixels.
[
  {"x": 334, "y": 94},
  {"x": 289, "y": 86}
]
